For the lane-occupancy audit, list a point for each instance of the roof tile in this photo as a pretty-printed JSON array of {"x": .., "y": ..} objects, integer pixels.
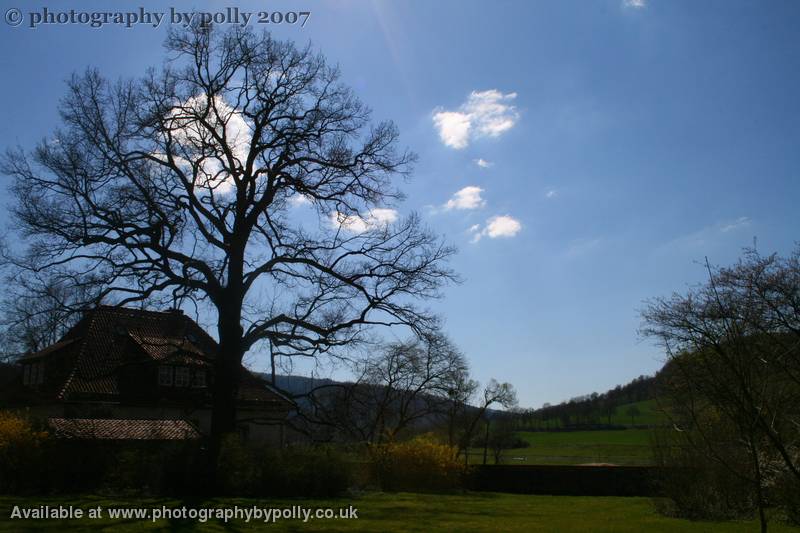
[{"x": 122, "y": 429}]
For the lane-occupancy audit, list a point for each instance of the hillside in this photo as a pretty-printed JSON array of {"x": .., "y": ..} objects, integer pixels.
[
  {"x": 629, "y": 405},
  {"x": 298, "y": 385}
]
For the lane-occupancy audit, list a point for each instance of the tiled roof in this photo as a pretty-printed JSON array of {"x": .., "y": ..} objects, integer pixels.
[
  {"x": 50, "y": 349},
  {"x": 171, "y": 349},
  {"x": 121, "y": 429},
  {"x": 108, "y": 334}
]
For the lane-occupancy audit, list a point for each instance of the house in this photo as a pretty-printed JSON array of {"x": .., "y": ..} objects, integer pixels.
[{"x": 129, "y": 374}]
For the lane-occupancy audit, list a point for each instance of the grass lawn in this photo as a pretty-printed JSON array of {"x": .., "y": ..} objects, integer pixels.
[
  {"x": 622, "y": 447},
  {"x": 401, "y": 512}
]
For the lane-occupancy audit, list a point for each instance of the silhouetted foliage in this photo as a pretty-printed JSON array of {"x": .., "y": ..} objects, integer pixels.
[{"x": 731, "y": 385}]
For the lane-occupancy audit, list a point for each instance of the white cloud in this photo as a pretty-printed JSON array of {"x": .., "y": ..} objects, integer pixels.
[
  {"x": 635, "y": 4},
  {"x": 484, "y": 114},
  {"x": 188, "y": 131},
  {"x": 467, "y": 198},
  {"x": 501, "y": 226},
  {"x": 376, "y": 218},
  {"x": 483, "y": 163},
  {"x": 453, "y": 128},
  {"x": 741, "y": 222},
  {"x": 550, "y": 193}
]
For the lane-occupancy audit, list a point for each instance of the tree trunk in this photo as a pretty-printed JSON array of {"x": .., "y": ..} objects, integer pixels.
[
  {"x": 486, "y": 444},
  {"x": 762, "y": 517},
  {"x": 272, "y": 363},
  {"x": 227, "y": 373}
]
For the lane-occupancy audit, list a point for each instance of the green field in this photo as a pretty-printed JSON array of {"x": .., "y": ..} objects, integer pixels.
[
  {"x": 474, "y": 512},
  {"x": 621, "y": 447}
]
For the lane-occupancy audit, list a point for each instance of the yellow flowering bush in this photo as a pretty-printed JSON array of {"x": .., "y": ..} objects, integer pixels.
[
  {"x": 20, "y": 450},
  {"x": 420, "y": 464}
]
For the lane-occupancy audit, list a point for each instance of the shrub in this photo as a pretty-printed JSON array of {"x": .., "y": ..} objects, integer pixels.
[
  {"x": 784, "y": 490},
  {"x": 150, "y": 468},
  {"x": 30, "y": 461},
  {"x": 420, "y": 464},
  {"x": 696, "y": 486},
  {"x": 313, "y": 471},
  {"x": 238, "y": 467},
  {"x": 263, "y": 471},
  {"x": 21, "y": 452}
]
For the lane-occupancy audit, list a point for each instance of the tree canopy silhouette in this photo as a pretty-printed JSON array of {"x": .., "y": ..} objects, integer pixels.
[{"x": 183, "y": 185}]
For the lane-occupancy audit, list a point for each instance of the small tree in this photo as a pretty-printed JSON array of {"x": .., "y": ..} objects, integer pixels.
[{"x": 501, "y": 438}]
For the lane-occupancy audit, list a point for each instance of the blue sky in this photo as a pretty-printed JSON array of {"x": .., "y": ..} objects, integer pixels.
[{"x": 621, "y": 142}]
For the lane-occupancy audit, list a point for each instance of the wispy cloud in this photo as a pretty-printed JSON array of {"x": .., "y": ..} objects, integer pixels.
[
  {"x": 467, "y": 198},
  {"x": 707, "y": 237},
  {"x": 484, "y": 114},
  {"x": 635, "y": 4},
  {"x": 501, "y": 226},
  {"x": 376, "y": 218},
  {"x": 296, "y": 200},
  {"x": 741, "y": 222},
  {"x": 581, "y": 246},
  {"x": 483, "y": 163}
]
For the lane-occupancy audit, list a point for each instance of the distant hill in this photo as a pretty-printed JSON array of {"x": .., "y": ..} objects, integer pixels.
[
  {"x": 629, "y": 405},
  {"x": 297, "y": 385}
]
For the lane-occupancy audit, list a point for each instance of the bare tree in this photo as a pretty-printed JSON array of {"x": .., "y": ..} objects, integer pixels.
[
  {"x": 35, "y": 315},
  {"x": 178, "y": 187},
  {"x": 468, "y": 408},
  {"x": 414, "y": 379},
  {"x": 406, "y": 383}
]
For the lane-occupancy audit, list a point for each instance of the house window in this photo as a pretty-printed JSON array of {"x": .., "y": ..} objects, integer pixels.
[
  {"x": 182, "y": 376},
  {"x": 199, "y": 378},
  {"x": 165, "y": 376}
]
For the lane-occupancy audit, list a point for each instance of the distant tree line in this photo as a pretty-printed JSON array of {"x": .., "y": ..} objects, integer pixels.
[{"x": 595, "y": 409}]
